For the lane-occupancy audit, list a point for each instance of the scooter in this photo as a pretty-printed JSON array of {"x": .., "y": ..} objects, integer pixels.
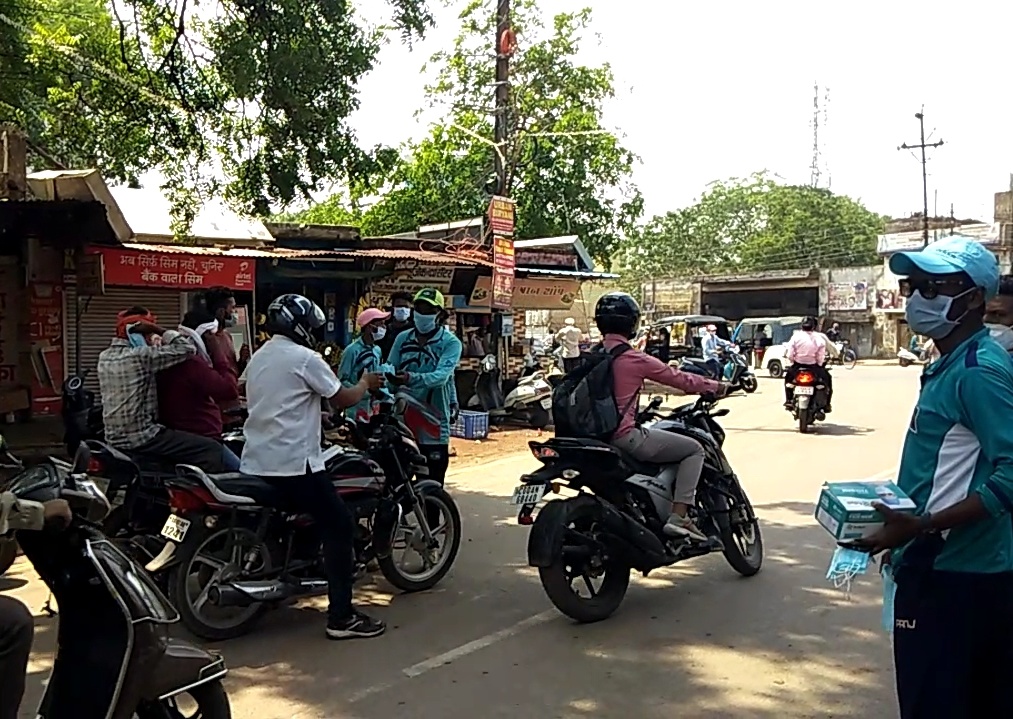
[
  {"x": 906, "y": 357},
  {"x": 114, "y": 658},
  {"x": 528, "y": 403},
  {"x": 736, "y": 372}
]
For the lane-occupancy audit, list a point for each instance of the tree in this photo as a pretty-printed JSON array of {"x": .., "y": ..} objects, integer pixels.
[
  {"x": 256, "y": 91},
  {"x": 754, "y": 224},
  {"x": 566, "y": 171}
]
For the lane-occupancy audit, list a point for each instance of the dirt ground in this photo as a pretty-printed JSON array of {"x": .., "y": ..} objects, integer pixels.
[{"x": 501, "y": 442}]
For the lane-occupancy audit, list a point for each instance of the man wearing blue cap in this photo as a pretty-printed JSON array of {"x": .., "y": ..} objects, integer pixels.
[{"x": 952, "y": 560}]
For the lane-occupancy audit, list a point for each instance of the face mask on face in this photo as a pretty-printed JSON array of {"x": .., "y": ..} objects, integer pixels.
[
  {"x": 379, "y": 333},
  {"x": 230, "y": 319},
  {"x": 135, "y": 340},
  {"x": 425, "y": 323},
  {"x": 1001, "y": 334},
  {"x": 931, "y": 317},
  {"x": 401, "y": 314}
]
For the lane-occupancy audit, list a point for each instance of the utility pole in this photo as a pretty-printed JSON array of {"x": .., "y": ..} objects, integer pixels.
[
  {"x": 925, "y": 178},
  {"x": 505, "y": 45}
]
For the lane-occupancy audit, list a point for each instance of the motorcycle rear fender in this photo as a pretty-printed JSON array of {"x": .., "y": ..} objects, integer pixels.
[
  {"x": 802, "y": 401},
  {"x": 546, "y": 537}
]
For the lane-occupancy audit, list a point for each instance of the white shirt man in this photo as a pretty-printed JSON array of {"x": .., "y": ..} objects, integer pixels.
[
  {"x": 285, "y": 382},
  {"x": 569, "y": 337}
]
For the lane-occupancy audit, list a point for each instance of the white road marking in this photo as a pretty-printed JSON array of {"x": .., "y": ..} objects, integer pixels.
[{"x": 471, "y": 647}]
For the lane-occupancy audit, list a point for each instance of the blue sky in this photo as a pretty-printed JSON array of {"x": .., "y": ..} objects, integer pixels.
[{"x": 713, "y": 90}]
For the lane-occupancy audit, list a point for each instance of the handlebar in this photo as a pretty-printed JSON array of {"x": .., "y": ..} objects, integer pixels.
[{"x": 703, "y": 404}]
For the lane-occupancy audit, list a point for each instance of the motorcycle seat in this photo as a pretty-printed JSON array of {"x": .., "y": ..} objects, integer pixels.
[
  {"x": 236, "y": 488},
  {"x": 108, "y": 454}
]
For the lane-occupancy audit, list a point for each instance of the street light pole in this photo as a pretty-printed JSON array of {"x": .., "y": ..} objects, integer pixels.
[{"x": 925, "y": 178}]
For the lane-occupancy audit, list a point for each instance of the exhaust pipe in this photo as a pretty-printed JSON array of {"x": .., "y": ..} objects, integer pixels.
[
  {"x": 243, "y": 594},
  {"x": 639, "y": 538}
]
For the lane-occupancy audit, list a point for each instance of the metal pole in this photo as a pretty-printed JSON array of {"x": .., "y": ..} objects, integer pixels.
[
  {"x": 925, "y": 183},
  {"x": 502, "y": 94}
]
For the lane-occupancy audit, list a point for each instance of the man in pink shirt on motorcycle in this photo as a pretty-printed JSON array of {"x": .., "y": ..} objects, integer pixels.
[
  {"x": 617, "y": 315},
  {"x": 807, "y": 349}
]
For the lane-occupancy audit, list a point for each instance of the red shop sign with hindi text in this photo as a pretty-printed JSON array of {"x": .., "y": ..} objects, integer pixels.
[{"x": 136, "y": 268}]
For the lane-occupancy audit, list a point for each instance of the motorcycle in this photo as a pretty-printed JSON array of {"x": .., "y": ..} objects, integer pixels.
[
  {"x": 529, "y": 403},
  {"x": 81, "y": 413},
  {"x": 809, "y": 398},
  {"x": 247, "y": 555},
  {"x": 616, "y": 521},
  {"x": 10, "y": 466},
  {"x": 737, "y": 372},
  {"x": 114, "y": 658},
  {"x": 846, "y": 355}
]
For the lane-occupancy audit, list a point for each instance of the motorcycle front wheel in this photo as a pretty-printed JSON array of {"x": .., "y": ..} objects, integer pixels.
[
  {"x": 433, "y": 562},
  {"x": 208, "y": 701},
  {"x": 740, "y": 533}
]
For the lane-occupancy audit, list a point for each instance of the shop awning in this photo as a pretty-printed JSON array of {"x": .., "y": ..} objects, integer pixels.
[
  {"x": 570, "y": 274},
  {"x": 426, "y": 256},
  {"x": 84, "y": 185}
]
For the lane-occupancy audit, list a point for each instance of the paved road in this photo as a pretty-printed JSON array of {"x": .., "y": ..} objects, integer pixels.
[{"x": 691, "y": 641}]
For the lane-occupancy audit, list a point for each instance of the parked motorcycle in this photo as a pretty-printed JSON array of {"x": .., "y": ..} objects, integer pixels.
[
  {"x": 10, "y": 466},
  {"x": 529, "y": 403},
  {"x": 233, "y": 553},
  {"x": 114, "y": 658},
  {"x": 809, "y": 398},
  {"x": 81, "y": 413},
  {"x": 615, "y": 523}
]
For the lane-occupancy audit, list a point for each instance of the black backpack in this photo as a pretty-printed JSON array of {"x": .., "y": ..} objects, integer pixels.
[{"x": 584, "y": 404}]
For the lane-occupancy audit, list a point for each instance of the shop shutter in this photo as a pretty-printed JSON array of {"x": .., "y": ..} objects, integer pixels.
[{"x": 98, "y": 321}]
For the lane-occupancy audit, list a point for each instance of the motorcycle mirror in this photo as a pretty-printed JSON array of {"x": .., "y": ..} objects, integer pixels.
[{"x": 657, "y": 401}]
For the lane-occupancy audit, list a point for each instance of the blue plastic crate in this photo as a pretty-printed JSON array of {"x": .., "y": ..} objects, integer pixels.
[{"x": 471, "y": 425}]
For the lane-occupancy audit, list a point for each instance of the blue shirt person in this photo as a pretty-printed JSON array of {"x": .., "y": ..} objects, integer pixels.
[
  {"x": 953, "y": 559},
  {"x": 711, "y": 346},
  {"x": 363, "y": 355},
  {"x": 425, "y": 358}
]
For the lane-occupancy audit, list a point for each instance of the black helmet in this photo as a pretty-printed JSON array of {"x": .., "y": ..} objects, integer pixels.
[
  {"x": 808, "y": 324},
  {"x": 617, "y": 313},
  {"x": 295, "y": 317}
]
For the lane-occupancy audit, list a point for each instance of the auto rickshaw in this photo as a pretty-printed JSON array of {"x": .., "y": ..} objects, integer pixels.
[{"x": 673, "y": 338}]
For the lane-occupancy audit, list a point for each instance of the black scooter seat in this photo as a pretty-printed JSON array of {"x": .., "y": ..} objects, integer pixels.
[{"x": 243, "y": 485}]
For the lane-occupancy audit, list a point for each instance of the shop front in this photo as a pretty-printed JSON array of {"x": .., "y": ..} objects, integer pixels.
[{"x": 162, "y": 279}]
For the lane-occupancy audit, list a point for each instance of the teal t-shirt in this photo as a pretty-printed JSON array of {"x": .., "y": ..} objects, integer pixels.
[
  {"x": 959, "y": 442},
  {"x": 430, "y": 364}
]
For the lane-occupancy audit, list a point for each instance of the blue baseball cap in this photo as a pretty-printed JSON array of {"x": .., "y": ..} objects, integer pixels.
[{"x": 952, "y": 254}]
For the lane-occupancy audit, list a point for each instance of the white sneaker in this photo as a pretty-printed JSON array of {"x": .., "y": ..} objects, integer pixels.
[{"x": 677, "y": 526}]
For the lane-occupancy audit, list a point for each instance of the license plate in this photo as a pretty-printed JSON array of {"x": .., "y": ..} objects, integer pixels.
[
  {"x": 529, "y": 494},
  {"x": 803, "y": 390},
  {"x": 175, "y": 528},
  {"x": 547, "y": 403}
]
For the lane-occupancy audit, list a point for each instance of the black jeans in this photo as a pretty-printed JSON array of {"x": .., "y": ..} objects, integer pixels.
[
  {"x": 953, "y": 644},
  {"x": 438, "y": 460},
  {"x": 184, "y": 448},
  {"x": 16, "y": 630},
  {"x": 821, "y": 374},
  {"x": 314, "y": 494}
]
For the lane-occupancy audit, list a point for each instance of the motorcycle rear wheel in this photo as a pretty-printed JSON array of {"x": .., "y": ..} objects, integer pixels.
[
  {"x": 558, "y": 578},
  {"x": 211, "y": 700},
  {"x": 803, "y": 421}
]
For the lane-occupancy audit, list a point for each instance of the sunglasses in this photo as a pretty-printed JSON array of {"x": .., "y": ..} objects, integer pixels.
[{"x": 930, "y": 288}]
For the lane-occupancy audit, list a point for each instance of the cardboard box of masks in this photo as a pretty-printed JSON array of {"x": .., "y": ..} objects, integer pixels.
[{"x": 845, "y": 508}]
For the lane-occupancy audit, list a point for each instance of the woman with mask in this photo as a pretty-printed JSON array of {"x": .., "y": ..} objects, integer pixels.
[
  {"x": 363, "y": 355},
  {"x": 401, "y": 320}
]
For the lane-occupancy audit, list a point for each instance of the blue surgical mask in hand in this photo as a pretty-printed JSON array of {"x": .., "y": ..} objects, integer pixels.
[
  {"x": 889, "y": 592},
  {"x": 845, "y": 565}
]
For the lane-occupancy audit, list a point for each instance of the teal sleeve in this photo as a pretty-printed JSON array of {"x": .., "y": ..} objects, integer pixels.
[
  {"x": 394, "y": 358},
  {"x": 346, "y": 367},
  {"x": 452, "y": 391},
  {"x": 986, "y": 399},
  {"x": 444, "y": 368}
]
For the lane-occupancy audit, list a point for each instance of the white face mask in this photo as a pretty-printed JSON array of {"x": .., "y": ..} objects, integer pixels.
[
  {"x": 401, "y": 313},
  {"x": 1001, "y": 334},
  {"x": 379, "y": 333}
]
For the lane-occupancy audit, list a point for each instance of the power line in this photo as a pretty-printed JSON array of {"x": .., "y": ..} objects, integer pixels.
[{"x": 925, "y": 178}]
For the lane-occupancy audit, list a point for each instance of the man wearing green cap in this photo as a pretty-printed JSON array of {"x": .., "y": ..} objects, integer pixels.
[
  {"x": 952, "y": 560},
  {"x": 425, "y": 358}
]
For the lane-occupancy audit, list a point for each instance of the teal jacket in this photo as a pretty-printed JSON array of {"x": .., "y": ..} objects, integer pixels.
[
  {"x": 357, "y": 359},
  {"x": 959, "y": 443},
  {"x": 430, "y": 365}
]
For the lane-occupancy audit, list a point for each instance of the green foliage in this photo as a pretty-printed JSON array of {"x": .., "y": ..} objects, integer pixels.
[
  {"x": 567, "y": 172},
  {"x": 259, "y": 91},
  {"x": 754, "y": 224}
]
